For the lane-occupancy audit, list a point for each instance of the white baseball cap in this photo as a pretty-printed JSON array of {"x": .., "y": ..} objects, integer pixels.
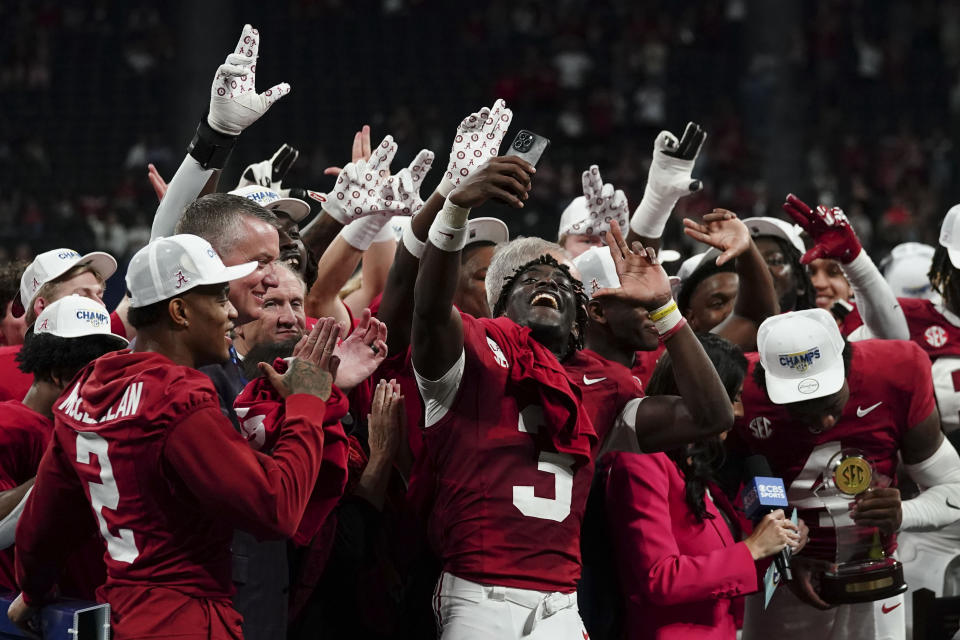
[
  {"x": 692, "y": 264},
  {"x": 802, "y": 355},
  {"x": 765, "y": 226},
  {"x": 597, "y": 270},
  {"x": 171, "y": 266},
  {"x": 52, "y": 264},
  {"x": 906, "y": 270},
  {"x": 75, "y": 316},
  {"x": 487, "y": 230},
  {"x": 269, "y": 199},
  {"x": 950, "y": 234}
]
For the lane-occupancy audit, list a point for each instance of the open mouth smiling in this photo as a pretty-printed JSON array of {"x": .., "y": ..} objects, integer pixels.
[{"x": 545, "y": 299}]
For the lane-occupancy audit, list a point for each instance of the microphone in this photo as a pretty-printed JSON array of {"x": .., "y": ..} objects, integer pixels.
[{"x": 762, "y": 494}]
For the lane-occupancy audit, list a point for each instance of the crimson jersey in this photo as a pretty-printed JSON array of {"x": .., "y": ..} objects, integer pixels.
[
  {"x": 607, "y": 388},
  {"x": 890, "y": 392},
  {"x": 645, "y": 363},
  {"x": 143, "y": 442},
  {"x": 24, "y": 435},
  {"x": 512, "y": 464},
  {"x": 14, "y": 383}
]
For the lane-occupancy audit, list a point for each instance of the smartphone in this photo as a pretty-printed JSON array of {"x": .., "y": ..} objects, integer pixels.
[{"x": 529, "y": 146}]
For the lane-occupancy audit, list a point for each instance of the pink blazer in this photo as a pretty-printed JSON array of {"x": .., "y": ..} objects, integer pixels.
[{"x": 679, "y": 576}]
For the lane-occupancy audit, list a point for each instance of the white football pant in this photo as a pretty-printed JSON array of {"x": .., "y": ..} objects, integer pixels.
[{"x": 468, "y": 610}]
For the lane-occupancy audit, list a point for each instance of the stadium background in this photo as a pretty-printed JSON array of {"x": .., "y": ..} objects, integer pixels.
[{"x": 854, "y": 103}]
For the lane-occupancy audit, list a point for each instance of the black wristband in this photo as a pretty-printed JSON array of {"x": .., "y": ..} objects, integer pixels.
[{"x": 210, "y": 147}]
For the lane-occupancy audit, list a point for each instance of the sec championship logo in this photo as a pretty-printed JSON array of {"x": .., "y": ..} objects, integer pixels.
[
  {"x": 935, "y": 336},
  {"x": 760, "y": 428}
]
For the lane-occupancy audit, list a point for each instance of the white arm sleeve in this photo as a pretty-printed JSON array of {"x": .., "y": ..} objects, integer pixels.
[
  {"x": 623, "y": 436},
  {"x": 875, "y": 300},
  {"x": 186, "y": 185},
  {"x": 939, "y": 504},
  {"x": 8, "y": 526},
  {"x": 438, "y": 395}
]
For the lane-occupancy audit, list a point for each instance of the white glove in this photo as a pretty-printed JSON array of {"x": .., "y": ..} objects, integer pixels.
[
  {"x": 478, "y": 139},
  {"x": 359, "y": 190},
  {"x": 234, "y": 101},
  {"x": 404, "y": 188},
  {"x": 270, "y": 173},
  {"x": 604, "y": 204},
  {"x": 670, "y": 178}
]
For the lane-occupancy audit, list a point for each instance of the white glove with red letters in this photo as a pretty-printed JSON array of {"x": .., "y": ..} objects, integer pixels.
[
  {"x": 234, "y": 101},
  {"x": 478, "y": 139}
]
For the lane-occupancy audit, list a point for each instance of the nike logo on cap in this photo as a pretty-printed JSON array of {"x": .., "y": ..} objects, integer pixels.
[
  {"x": 863, "y": 412},
  {"x": 952, "y": 506},
  {"x": 587, "y": 381},
  {"x": 887, "y": 609}
]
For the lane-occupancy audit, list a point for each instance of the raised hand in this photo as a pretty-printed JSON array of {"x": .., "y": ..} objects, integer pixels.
[
  {"x": 723, "y": 230},
  {"x": 404, "y": 187},
  {"x": 604, "y": 204},
  {"x": 829, "y": 228},
  {"x": 359, "y": 189},
  {"x": 361, "y": 150},
  {"x": 643, "y": 282},
  {"x": 477, "y": 140},
  {"x": 361, "y": 352},
  {"x": 270, "y": 173},
  {"x": 506, "y": 178},
  {"x": 156, "y": 181},
  {"x": 669, "y": 179},
  {"x": 234, "y": 101}
]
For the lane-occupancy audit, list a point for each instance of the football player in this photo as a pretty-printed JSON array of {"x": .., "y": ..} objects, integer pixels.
[
  {"x": 932, "y": 558},
  {"x": 811, "y": 399},
  {"x": 140, "y": 440},
  {"x": 508, "y": 430},
  {"x": 68, "y": 334}
]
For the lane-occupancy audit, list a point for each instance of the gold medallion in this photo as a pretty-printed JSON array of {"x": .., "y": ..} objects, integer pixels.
[{"x": 853, "y": 475}]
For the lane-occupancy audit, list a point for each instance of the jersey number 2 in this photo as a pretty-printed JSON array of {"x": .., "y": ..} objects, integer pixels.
[
  {"x": 104, "y": 495},
  {"x": 560, "y": 465}
]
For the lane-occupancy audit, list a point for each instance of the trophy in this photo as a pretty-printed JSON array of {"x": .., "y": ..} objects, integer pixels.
[{"x": 862, "y": 571}]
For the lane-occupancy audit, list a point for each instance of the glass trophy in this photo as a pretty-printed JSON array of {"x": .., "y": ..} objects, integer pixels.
[{"x": 862, "y": 571}]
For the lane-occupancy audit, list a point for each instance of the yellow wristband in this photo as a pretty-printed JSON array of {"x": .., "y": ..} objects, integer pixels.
[{"x": 663, "y": 311}]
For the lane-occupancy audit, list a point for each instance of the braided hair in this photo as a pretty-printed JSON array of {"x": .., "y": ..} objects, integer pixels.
[
  {"x": 576, "y": 337},
  {"x": 806, "y": 293},
  {"x": 941, "y": 277}
]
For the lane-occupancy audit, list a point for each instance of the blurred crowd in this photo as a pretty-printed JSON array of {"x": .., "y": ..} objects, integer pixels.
[{"x": 857, "y": 102}]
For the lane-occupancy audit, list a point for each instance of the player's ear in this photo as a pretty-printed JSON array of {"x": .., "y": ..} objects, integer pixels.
[
  {"x": 177, "y": 310},
  {"x": 595, "y": 312}
]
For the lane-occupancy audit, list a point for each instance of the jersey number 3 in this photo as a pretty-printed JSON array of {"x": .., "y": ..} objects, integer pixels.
[
  {"x": 560, "y": 465},
  {"x": 104, "y": 495}
]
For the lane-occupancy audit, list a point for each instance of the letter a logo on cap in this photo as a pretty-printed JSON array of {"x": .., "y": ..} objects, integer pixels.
[{"x": 181, "y": 279}]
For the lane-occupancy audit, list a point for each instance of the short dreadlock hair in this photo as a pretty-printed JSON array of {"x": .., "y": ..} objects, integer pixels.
[
  {"x": 576, "y": 338},
  {"x": 942, "y": 277},
  {"x": 46, "y": 356}
]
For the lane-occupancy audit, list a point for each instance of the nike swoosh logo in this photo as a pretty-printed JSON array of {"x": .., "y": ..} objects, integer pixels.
[
  {"x": 863, "y": 412},
  {"x": 885, "y": 609},
  {"x": 587, "y": 381},
  {"x": 449, "y": 235},
  {"x": 952, "y": 506}
]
